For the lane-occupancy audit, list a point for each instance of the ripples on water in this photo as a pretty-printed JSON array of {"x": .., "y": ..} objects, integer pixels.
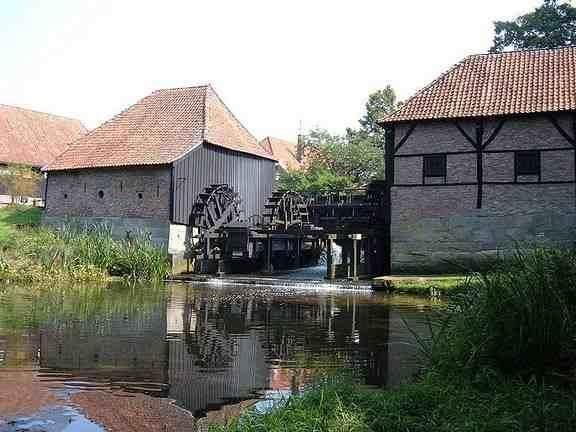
[{"x": 202, "y": 346}]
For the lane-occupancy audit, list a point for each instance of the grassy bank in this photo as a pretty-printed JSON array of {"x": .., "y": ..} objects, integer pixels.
[
  {"x": 30, "y": 253},
  {"x": 419, "y": 285},
  {"x": 501, "y": 357},
  {"x": 433, "y": 404}
]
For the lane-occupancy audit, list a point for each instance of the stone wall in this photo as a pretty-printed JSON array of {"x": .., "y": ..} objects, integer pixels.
[
  {"x": 118, "y": 192},
  {"x": 433, "y": 225}
]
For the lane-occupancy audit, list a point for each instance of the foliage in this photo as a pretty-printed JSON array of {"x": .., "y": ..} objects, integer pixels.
[
  {"x": 518, "y": 318},
  {"x": 32, "y": 254},
  {"x": 335, "y": 162},
  {"x": 433, "y": 404},
  {"x": 551, "y": 25},
  {"x": 20, "y": 180},
  {"x": 379, "y": 103}
]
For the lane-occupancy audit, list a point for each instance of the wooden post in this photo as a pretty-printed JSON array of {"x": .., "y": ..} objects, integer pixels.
[
  {"x": 269, "y": 254},
  {"x": 330, "y": 267},
  {"x": 355, "y": 238}
]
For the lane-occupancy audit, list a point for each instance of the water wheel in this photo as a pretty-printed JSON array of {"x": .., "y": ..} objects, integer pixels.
[
  {"x": 216, "y": 207},
  {"x": 287, "y": 210}
]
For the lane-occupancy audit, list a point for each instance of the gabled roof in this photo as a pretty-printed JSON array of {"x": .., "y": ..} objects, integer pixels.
[
  {"x": 517, "y": 82},
  {"x": 34, "y": 138},
  {"x": 283, "y": 151},
  {"x": 160, "y": 129}
]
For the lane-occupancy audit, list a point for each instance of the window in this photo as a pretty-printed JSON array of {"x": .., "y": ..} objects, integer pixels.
[
  {"x": 435, "y": 166},
  {"x": 140, "y": 195},
  {"x": 527, "y": 163},
  {"x": 100, "y": 194},
  {"x": 65, "y": 196}
]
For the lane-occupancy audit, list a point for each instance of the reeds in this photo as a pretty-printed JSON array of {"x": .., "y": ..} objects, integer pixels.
[
  {"x": 518, "y": 317},
  {"x": 82, "y": 253}
]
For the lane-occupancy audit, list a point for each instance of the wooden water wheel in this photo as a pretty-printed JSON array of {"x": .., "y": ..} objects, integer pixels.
[
  {"x": 216, "y": 207},
  {"x": 287, "y": 210}
]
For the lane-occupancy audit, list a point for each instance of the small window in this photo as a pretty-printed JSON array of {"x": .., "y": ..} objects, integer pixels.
[
  {"x": 100, "y": 194},
  {"x": 527, "y": 163},
  {"x": 140, "y": 195},
  {"x": 435, "y": 166},
  {"x": 65, "y": 195},
  {"x": 121, "y": 186},
  {"x": 84, "y": 187}
]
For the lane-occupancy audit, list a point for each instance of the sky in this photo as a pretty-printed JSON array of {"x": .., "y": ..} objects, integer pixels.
[{"x": 278, "y": 65}]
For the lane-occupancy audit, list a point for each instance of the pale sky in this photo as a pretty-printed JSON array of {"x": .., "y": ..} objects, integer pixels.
[{"x": 274, "y": 63}]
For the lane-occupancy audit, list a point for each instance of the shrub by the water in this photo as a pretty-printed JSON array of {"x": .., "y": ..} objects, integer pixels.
[
  {"x": 80, "y": 254},
  {"x": 519, "y": 317}
]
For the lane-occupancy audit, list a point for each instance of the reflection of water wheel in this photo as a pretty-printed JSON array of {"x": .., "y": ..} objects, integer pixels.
[
  {"x": 287, "y": 210},
  {"x": 215, "y": 208}
]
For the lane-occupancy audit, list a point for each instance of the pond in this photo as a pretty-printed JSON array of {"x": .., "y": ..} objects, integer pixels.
[{"x": 121, "y": 357}]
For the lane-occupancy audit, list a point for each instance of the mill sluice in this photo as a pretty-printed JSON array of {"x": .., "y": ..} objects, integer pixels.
[{"x": 294, "y": 231}]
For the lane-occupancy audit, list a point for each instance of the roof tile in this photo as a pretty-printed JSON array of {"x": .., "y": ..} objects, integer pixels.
[
  {"x": 34, "y": 138},
  {"x": 518, "y": 82},
  {"x": 160, "y": 129}
]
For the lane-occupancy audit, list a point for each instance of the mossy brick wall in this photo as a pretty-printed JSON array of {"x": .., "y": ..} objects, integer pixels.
[{"x": 119, "y": 192}]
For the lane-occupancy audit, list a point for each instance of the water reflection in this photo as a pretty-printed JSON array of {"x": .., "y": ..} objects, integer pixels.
[{"x": 203, "y": 346}]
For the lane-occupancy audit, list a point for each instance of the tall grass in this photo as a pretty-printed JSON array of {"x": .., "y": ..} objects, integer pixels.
[
  {"x": 517, "y": 318},
  {"x": 83, "y": 252}
]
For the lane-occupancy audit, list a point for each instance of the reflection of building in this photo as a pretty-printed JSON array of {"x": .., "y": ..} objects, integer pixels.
[
  {"x": 208, "y": 347},
  {"x": 126, "y": 347}
]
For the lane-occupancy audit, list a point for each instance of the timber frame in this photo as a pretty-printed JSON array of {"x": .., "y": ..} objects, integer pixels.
[{"x": 479, "y": 141}]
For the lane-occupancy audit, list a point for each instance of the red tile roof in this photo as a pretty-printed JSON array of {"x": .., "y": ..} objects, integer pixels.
[
  {"x": 517, "y": 82},
  {"x": 160, "y": 129},
  {"x": 284, "y": 151},
  {"x": 34, "y": 138}
]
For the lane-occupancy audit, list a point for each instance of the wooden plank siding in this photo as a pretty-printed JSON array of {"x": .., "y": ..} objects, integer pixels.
[{"x": 250, "y": 176}]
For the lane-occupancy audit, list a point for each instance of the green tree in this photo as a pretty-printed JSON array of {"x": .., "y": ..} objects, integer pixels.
[
  {"x": 551, "y": 25},
  {"x": 343, "y": 161},
  {"x": 20, "y": 180}
]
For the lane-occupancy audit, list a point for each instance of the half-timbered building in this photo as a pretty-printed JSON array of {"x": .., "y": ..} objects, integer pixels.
[
  {"x": 144, "y": 170},
  {"x": 483, "y": 159}
]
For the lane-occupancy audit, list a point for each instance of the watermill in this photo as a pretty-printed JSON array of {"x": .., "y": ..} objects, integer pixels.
[
  {"x": 218, "y": 206},
  {"x": 286, "y": 211}
]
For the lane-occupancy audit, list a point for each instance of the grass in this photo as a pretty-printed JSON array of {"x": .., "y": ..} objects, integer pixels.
[
  {"x": 420, "y": 285},
  {"x": 501, "y": 357},
  {"x": 433, "y": 404},
  {"x": 30, "y": 253}
]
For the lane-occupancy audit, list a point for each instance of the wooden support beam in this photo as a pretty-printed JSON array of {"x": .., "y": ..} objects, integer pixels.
[{"x": 405, "y": 137}]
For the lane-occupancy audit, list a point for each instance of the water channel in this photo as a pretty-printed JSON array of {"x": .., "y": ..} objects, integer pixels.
[{"x": 123, "y": 357}]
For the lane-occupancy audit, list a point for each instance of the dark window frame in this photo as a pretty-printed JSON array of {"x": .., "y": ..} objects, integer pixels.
[
  {"x": 527, "y": 163},
  {"x": 434, "y": 166}
]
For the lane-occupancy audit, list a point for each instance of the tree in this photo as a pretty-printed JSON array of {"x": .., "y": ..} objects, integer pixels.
[
  {"x": 344, "y": 161},
  {"x": 20, "y": 181},
  {"x": 551, "y": 25}
]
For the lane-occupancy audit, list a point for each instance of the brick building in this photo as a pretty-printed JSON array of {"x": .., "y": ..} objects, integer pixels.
[
  {"x": 284, "y": 151},
  {"x": 483, "y": 158},
  {"x": 33, "y": 139},
  {"x": 143, "y": 170}
]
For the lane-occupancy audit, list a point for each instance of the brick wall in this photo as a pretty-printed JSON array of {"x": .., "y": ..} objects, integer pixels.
[
  {"x": 434, "y": 224},
  {"x": 129, "y": 192}
]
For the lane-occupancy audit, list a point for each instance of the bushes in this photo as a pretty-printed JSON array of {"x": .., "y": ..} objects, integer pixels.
[
  {"x": 519, "y": 317},
  {"x": 81, "y": 254},
  {"x": 435, "y": 403}
]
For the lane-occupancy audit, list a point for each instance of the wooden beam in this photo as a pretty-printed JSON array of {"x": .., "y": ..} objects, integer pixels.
[
  {"x": 479, "y": 162},
  {"x": 494, "y": 134},
  {"x": 465, "y": 134},
  {"x": 405, "y": 137},
  {"x": 562, "y": 132}
]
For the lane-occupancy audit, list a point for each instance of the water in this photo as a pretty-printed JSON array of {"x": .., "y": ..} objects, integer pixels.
[{"x": 118, "y": 357}]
